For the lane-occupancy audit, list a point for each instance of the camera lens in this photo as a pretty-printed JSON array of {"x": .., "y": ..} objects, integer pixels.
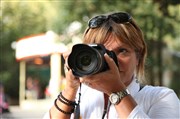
[
  {"x": 85, "y": 60},
  {"x": 88, "y": 59}
]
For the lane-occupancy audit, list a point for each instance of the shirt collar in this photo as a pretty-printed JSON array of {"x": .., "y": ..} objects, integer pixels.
[{"x": 134, "y": 87}]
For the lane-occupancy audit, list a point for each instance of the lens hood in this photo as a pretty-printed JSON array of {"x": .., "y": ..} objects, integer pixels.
[{"x": 88, "y": 59}]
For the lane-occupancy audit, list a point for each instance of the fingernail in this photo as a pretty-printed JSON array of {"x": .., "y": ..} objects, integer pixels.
[{"x": 105, "y": 54}]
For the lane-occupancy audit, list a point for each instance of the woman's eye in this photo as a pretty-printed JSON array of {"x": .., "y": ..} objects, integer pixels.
[{"x": 123, "y": 50}]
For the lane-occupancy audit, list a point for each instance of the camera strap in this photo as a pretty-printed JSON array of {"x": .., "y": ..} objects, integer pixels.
[
  {"x": 107, "y": 104},
  {"x": 141, "y": 87},
  {"x": 77, "y": 109}
]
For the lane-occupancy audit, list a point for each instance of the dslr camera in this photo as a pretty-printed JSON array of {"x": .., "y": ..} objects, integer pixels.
[{"x": 88, "y": 59}]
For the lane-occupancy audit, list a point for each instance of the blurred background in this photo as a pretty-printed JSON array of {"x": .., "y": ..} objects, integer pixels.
[{"x": 35, "y": 33}]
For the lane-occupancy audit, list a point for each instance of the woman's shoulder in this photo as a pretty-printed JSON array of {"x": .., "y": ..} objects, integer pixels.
[
  {"x": 156, "y": 95},
  {"x": 157, "y": 89},
  {"x": 157, "y": 92}
]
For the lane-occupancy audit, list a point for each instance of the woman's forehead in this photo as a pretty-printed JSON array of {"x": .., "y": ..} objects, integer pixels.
[{"x": 114, "y": 41}]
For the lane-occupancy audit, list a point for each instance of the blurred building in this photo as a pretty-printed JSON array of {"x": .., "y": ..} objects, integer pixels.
[{"x": 41, "y": 68}]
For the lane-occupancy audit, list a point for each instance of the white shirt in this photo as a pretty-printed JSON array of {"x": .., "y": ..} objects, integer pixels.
[{"x": 153, "y": 102}]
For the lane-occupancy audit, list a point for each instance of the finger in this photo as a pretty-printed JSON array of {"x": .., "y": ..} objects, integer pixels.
[
  {"x": 88, "y": 84},
  {"x": 112, "y": 65},
  {"x": 71, "y": 76},
  {"x": 84, "y": 80},
  {"x": 66, "y": 54},
  {"x": 66, "y": 68}
]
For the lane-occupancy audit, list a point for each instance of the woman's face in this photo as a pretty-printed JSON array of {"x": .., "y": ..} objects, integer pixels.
[{"x": 126, "y": 58}]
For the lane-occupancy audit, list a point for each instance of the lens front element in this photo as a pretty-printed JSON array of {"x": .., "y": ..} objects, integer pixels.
[{"x": 85, "y": 60}]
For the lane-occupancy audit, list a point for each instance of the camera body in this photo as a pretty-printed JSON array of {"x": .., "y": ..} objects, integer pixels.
[{"x": 88, "y": 59}]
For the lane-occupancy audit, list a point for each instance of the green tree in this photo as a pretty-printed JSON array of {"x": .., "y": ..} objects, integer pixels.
[
  {"x": 18, "y": 19},
  {"x": 157, "y": 18}
]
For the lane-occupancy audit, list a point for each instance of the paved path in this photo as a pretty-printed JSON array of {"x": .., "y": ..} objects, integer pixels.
[{"x": 17, "y": 113}]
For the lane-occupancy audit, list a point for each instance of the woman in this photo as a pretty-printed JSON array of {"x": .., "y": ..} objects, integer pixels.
[{"x": 117, "y": 32}]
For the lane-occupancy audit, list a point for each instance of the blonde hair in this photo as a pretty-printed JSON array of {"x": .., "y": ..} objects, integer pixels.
[{"x": 128, "y": 33}]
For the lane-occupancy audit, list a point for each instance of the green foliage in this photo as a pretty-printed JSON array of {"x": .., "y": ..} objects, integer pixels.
[{"x": 18, "y": 19}]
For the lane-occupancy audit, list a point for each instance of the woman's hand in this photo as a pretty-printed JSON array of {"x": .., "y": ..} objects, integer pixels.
[
  {"x": 69, "y": 93},
  {"x": 72, "y": 82},
  {"x": 108, "y": 81}
]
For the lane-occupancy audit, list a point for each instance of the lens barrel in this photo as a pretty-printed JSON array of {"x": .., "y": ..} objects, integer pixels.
[{"x": 88, "y": 59}]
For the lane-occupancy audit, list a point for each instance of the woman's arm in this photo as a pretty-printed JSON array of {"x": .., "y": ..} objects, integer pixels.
[{"x": 61, "y": 108}]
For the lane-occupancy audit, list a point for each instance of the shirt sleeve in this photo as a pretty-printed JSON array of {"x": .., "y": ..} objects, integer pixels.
[
  {"x": 138, "y": 113},
  {"x": 167, "y": 105}
]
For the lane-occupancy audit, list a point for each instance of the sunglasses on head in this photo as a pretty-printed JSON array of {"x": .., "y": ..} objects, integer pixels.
[{"x": 119, "y": 17}]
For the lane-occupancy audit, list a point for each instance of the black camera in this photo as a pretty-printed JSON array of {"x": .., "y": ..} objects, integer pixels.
[{"x": 88, "y": 59}]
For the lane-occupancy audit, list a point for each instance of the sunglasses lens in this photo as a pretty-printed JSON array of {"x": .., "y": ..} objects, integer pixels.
[
  {"x": 120, "y": 17},
  {"x": 97, "y": 21}
]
